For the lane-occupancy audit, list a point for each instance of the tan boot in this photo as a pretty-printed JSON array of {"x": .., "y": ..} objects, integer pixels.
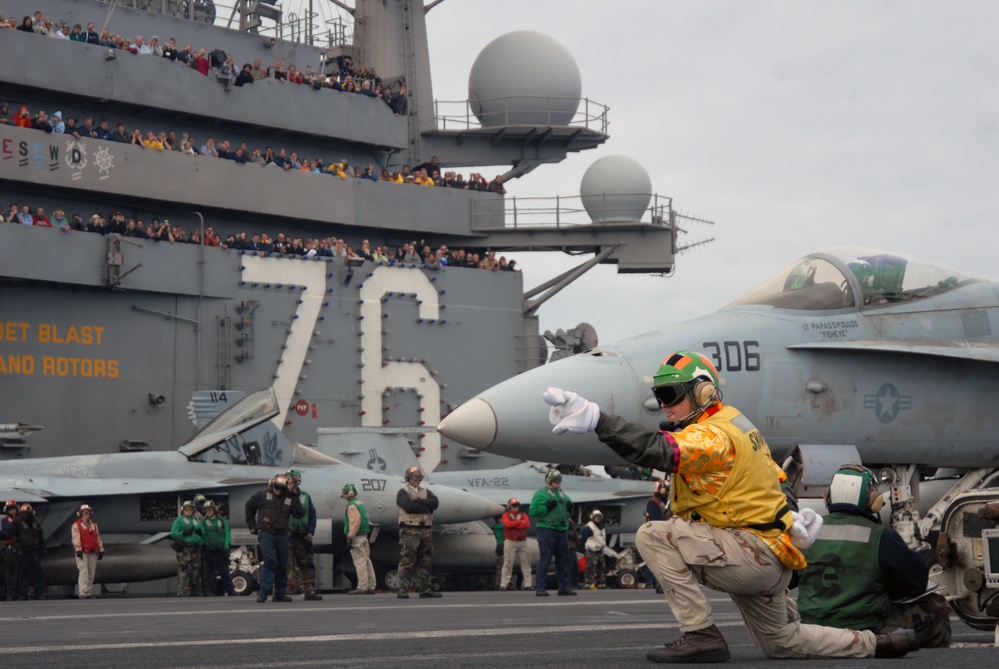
[{"x": 703, "y": 645}]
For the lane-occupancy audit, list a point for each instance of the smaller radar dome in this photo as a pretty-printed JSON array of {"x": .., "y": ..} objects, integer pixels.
[
  {"x": 616, "y": 189},
  {"x": 524, "y": 78}
]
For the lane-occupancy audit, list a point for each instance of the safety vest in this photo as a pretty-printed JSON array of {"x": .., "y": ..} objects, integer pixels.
[
  {"x": 301, "y": 525},
  {"x": 415, "y": 519},
  {"x": 365, "y": 528},
  {"x": 843, "y": 585},
  {"x": 216, "y": 533},
  {"x": 598, "y": 541},
  {"x": 30, "y": 535},
  {"x": 90, "y": 538},
  {"x": 751, "y": 496},
  {"x": 274, "y": 513}
]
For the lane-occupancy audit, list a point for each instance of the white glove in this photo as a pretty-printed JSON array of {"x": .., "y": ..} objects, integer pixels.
[
  {"x": 570, "y": 412},
  {"x": 805, "y": 528}
]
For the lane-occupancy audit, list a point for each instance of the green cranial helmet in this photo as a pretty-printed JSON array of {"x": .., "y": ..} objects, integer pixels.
[
  {"x": 295, "y": 476},
  {"x": 209, "y": 505},
  {"x": 348, "y": 491},
  {"x": 684, "y": 367},
  {"x": 553, "y": 476},
  {"x": 187, "y": 503},
  {"x": 199, "y": 500}
]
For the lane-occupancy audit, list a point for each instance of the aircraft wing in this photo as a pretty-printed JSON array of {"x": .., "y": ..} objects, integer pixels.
[
  {"x": 985, "y": 351},
  {"x": 45, "y": 489},
  {"x": 19, "y": 495}
]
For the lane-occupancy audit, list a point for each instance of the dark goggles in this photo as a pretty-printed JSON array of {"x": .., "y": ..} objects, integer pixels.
[{"x": 670, "y": 395}]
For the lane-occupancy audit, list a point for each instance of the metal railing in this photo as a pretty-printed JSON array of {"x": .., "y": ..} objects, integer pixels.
[
  {"x": 521, "y": 110},
  {"x": 489, "y": 213}
]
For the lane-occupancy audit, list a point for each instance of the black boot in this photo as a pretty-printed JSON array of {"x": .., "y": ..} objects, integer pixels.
[
  {"x": 699, "y": 646},
  {"x": 896, "y": 643}
]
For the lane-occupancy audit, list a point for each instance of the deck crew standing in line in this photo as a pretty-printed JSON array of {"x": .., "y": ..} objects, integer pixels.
[
  {"x": 89, "y": 549},
  {"x": 515, "y": 526},
  {"x": 188, "y": 532},
  {"x": 300, "y": 539},
  {"x": 416, "y": 538},
  {"x": 268, "y": 514},
  {"x": 215, "y": 552},
  {"x": 8, "y": 533},
  {"x": 550, "y": 505},
  {"x": 357, "y": 528}
]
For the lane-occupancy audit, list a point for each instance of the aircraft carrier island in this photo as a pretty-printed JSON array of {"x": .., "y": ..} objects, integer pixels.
[{"x": 325, "y": 272}]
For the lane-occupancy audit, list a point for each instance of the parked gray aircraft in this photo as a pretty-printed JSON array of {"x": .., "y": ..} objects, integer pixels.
[
  {"x": 138, "y": 494},
  {"x": 471, "y": 546},
  {"x": 845, "y": 356}
]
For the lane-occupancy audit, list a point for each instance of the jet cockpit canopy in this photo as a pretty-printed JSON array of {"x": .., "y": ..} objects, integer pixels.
[{"x": 850, "y": 278}]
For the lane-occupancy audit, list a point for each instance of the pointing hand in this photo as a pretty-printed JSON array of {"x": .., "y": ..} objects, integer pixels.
[{"x": 570, "y": 412}]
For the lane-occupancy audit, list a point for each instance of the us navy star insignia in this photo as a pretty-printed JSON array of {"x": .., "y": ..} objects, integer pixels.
[{"x": 887, "y": 402}]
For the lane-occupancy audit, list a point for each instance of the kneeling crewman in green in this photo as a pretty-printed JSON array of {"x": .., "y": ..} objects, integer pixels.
[
  {"x": 357, "y": 528},
  {"x": 188, "y": 531},
  {"x": 300, "y": 538},
  {"x": 416, "y": 537},
  {"x": 857, "y": 567}
]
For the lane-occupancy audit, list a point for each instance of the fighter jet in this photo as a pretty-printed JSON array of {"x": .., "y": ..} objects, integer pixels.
[
  {"x": 138, "y": 494},
  {"x": 847, "y": 355},
  {"x": 470, "y": 547}
]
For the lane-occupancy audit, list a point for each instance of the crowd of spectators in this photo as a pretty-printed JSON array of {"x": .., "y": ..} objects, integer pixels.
[
  {"x": 281, "y": 245},
  {"x": 345, "y": 77},
  {"x": 425, "y": 174}
]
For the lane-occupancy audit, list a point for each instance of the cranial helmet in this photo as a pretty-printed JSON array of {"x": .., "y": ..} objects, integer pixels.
[
  {"x": 295, "y": 476},
  {"x": 84, "y": 507},
  {"x": 280, "y": 482},
  {"x": 11, "y": 504},
  {"x": 856, "y": 485},
  {"x": 199, "y": 499},
  {"x": 553, "y": 476},
  {"x": 413, "y": 471},
  {"x": 596, "y": 513},
  {"x": 686, "y": 374},
  {"x": 513, "y": 501},
  {"x": 187, "y": 503},
  {"x": 209, "y": 505},
  {"x": 348, "y": 491},
  {"x": 26, "y": 508}
]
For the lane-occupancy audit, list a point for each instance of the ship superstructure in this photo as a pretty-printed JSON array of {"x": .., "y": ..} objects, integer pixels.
[{"x": 105, "y": 338}]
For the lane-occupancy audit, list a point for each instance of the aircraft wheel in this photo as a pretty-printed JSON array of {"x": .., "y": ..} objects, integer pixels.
[
  {"x": 243, "y": 583},
  {"x": 626, "y": 578},
  {"x": 390, "y": 579}
]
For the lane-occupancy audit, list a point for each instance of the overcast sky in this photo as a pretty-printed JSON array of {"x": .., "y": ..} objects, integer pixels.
[{"x": 795, "y": 126}]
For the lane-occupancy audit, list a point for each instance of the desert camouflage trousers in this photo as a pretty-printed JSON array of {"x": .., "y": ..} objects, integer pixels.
[
  {"x": 416, "y": 556},
  {"x": 189, "y": 571},
  {"x": 929, "y": 616},
  {"x": 685, "y": 556}
]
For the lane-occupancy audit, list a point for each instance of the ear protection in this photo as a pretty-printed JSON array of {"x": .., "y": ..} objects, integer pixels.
[
  {"x": 855, "y": 484},
  {"x": 705, "y": 394}
]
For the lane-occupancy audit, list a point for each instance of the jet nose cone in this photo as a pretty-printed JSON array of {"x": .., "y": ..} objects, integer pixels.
[{"x": 473, "y": 424}]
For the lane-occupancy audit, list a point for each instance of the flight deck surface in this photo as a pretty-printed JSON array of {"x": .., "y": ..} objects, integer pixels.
[{"x": 605, "y": 628}]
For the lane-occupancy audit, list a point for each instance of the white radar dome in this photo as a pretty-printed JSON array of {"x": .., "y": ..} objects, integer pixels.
[
  {"x": 616, "y": 189},
  {"x": 524, "y": 78}
]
